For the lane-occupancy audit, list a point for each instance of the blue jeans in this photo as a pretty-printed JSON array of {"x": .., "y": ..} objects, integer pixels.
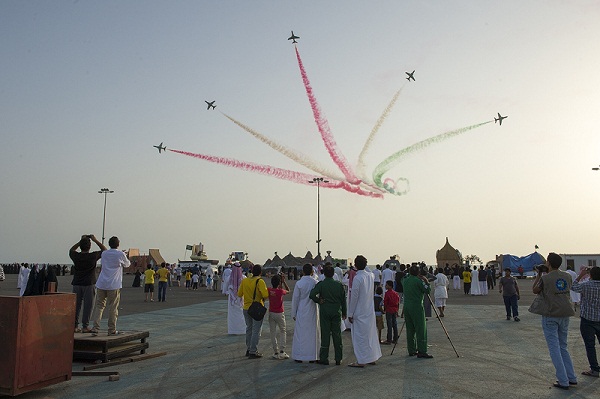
[
  {"x": 253, "y": 328},
  {"x": 392, "y": 327},
  {"x": 162, "y": 291},
  {"x": 555, "y": 331},
  {"x": 590, "y": 330},
  {"x": 511, "y": 303}
]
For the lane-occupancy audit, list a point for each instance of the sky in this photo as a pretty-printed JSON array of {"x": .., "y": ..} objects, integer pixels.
[{"x": 87, "y": 88}]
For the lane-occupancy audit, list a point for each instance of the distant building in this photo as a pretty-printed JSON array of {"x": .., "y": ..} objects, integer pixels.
[
  {"x": 447, "y": 254},
  {"x": 578, "y": 260},
  {"x": 139, "y": 261}
]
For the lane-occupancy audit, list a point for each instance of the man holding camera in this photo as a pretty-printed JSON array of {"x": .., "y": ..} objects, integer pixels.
[
  {"x": 108, "y": 286},
  {"x": 590, "y": 315},
  {"x": 84, "y": 277},
  {"x": 555, "y": 287}
]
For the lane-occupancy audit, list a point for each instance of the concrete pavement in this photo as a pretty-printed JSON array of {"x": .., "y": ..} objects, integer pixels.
[{"x": 498, "y": 358}]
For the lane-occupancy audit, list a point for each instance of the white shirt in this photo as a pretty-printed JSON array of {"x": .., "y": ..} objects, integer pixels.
[
  {"x": 387, "y": 275},
  {"x": 377, "y": 275},
  {"x": 111, "y": 276}
]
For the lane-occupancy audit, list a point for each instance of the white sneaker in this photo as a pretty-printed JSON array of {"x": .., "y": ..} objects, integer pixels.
[
  {"x": 283, "y": 355},
  {"x": 275, "y": 356}
]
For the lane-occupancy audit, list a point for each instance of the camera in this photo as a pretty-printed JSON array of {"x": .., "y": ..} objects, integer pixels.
[{"x": 541, "y": 268}]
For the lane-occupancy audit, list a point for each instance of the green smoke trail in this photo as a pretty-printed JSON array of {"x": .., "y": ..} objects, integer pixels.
[{"x": 399, "y": 156}]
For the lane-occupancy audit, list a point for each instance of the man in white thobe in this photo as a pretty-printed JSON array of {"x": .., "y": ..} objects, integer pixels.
[
  {"x": 236, "y": 324},
  {"x": 338, "y": 272},
  {"x": 377, "y": 276},
  {"x": 575, "y": 296},
  {"x": 365, "y": 339},
  {"x": 23, "y": 278},
  {"x": 225, "y": 277},
  {"x": 307, "y": 332},
  {"x": 475, "y": 282}
]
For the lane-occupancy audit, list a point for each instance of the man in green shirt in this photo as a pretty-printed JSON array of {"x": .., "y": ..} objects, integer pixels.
[
  {"x": 415, "y": 288},
  {"x": 331, "y": 297}
]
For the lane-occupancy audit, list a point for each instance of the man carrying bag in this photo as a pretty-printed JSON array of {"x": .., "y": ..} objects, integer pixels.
[{"x": 254, "y": 291}]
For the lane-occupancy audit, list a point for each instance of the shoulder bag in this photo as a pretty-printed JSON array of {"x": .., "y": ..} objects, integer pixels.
[
  {"x": 257, "y": 310},
  {"x": 539, "y": 305}
]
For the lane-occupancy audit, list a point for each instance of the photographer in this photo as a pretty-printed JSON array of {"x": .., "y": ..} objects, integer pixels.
[
  {"x": 554, "y": 288},
  {"x": 84, "y": 278},
  {"x": 277, "y": 315},
  {"x": 590, "y": 315}
]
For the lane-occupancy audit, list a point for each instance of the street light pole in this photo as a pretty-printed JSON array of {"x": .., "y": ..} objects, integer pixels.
[
  {"x": 318, "y": 181},
  {"x": 104, "y": 191}
]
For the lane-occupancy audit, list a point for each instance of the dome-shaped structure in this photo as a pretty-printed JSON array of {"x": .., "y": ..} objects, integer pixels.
[{"x": 447, "y": 254}]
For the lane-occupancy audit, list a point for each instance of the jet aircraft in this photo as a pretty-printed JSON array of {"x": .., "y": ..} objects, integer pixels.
[
  {"x": 500, "y": 118},
  {"x": 293, "y": 38},
  {"x": 160, "y": 147},
  {"x": 410, "y": 76},
  {"x": 210, "y": 104}
]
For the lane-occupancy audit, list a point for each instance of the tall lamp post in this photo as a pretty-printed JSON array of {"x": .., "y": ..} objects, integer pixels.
[
  {"x": 318, "y": 181},
  {"x": 104, "y": 191}
]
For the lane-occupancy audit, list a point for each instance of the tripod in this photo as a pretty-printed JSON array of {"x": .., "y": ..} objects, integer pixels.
[{"x": 441, "y": 323}]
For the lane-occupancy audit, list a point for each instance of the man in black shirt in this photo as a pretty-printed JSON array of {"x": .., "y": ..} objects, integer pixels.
[{"x": 84, "y": 278}]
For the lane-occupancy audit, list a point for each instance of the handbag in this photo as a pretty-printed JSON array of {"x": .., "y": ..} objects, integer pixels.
[
  {"x": 539, "y": 305},
  {"x": 256, "y": 310}
]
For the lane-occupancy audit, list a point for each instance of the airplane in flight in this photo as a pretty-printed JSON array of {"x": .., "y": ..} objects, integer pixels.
[
  {"x": 210, "y": 104},
  {"x": 410, "y": 76},
  {"x": 293, "y": 38},
  {"x": 500, "y": 118},
  {"x": 160, "y": 147}
]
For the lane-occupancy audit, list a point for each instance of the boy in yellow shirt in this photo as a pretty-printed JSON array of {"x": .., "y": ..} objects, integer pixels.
[{"x": 149, "y": 283}]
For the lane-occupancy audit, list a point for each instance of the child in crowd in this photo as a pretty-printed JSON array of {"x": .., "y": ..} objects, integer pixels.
[
  {"x": 391, "y": 304},
  {"x": 188, "y": 279},
  {"x": 195, "y": 279},
  {"x": 277, "y": 315},
  {"x": 149, "y": 283},
  {"x": 378, "y": 302}
]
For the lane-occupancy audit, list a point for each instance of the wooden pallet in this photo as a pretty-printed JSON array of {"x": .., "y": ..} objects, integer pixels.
[{"x": 105, "y": 347}]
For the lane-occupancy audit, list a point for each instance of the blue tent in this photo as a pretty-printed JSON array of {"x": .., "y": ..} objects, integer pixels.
[{"x": 528, "y": 262}]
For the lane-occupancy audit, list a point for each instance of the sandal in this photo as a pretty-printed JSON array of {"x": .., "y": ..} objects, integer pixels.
[{"x": 356, "y": 365}]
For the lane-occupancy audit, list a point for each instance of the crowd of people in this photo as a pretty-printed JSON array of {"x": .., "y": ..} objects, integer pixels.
[{"x": 325, "y": 302}]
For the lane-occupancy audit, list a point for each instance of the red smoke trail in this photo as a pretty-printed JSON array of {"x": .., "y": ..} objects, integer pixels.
[
  {"x": 283, "y": 174},
  {"x": 323, "y": 127}
]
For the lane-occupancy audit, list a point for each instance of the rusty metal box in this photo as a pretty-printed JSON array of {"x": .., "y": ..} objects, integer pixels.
[{"x": 36, "y": 341}]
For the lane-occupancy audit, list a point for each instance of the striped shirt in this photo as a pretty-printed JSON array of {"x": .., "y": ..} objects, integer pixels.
[{"x": 590, "y": 299}]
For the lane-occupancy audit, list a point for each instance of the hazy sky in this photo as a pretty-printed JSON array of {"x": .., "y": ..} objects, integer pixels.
[{"x": 87, "y": 87}]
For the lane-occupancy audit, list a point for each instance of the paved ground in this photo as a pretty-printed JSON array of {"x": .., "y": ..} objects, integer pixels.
[{"x": 498, "y": 358}]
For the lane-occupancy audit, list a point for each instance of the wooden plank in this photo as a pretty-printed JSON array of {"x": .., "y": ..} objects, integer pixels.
[
  {"x": 131, "y": 359},
  {"x": 112, "y": 353},
  {"x": 94, "y": 373}
]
